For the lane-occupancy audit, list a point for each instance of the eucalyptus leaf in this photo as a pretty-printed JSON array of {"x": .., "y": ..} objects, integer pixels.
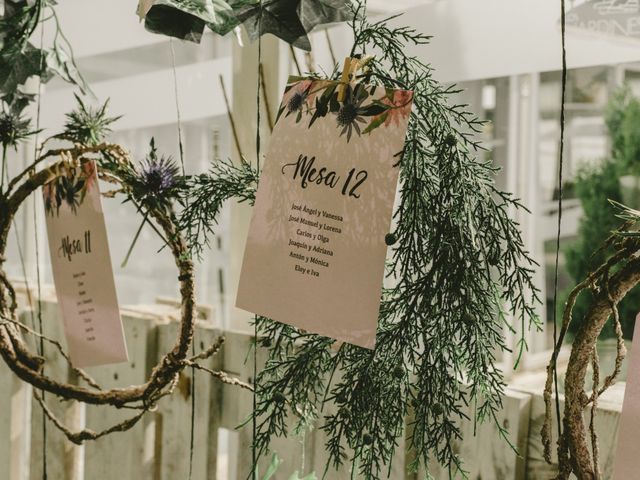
[
  {"x": 16, "y": 66},
  {"x": 59, "y": 62},
  {"x": 17, "y": 101},
  {"x": 186, "y": 19},
  {"x": 273, "y": 467},
  {"x": 289, "y": 20}
]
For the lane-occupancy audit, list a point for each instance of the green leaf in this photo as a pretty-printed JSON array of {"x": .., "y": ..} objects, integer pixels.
[
  {"x": 186, "y": 19},
  {"x": 374, "y": 109},
  {"x": 376, "y": 123},
  {"x": 291, "y": 20},
  {"x": 17, "y": 66},
  {"x": 273, "y": 467},
  {"x": 59, "y": 62}
]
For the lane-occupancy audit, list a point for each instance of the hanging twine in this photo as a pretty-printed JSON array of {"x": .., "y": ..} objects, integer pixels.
[
  {"x": 254, "y": 420},
  {"x": 193, "y": 352}
]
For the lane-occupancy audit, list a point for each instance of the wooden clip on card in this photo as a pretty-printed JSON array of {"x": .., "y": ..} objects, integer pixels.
[{"x": 349, "y": 72}]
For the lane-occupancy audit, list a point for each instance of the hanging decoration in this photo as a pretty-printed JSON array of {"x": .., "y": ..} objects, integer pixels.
[
  {"x": 152, "y": 188},
  {"x": 460, "y": 276},
  {"x": 20, "y": 59},
  {"x": 81, "y": 265},
  {"x": 289, "y": 20},
  {"x": 324, "y": 207}
]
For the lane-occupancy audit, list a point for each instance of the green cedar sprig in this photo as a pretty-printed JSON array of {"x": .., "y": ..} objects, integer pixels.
[{"x": 459, "y": 266}]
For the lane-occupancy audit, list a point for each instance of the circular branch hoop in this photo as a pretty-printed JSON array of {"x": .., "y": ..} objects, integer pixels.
[
  {"x": 577, "y": 445},
  {"x": 30, "y": 367}
]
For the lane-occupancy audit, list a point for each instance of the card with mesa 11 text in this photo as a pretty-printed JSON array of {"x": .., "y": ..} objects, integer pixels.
[
  {"x": 315, "y": 253},
  {"x": 81, "y": 266}
]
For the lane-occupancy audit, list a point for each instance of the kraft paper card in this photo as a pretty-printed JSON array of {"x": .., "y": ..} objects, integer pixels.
[
  {"x": 315, "y": 253},
  {"x": 625, "y": 465},
  {"x": 82, "y": 269}
]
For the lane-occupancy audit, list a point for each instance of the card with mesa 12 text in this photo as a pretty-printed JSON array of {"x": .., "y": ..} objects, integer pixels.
[
  {"x": 81, "y": 266},
  {"x": 315, "y": 253}
]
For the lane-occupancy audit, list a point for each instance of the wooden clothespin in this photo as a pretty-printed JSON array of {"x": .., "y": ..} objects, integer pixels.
[
  {"x": 349, "y": 72},
  {"x": 345, "y": 78}
]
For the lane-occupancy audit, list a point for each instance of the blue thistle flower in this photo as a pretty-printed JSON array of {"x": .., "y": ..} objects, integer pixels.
[{"x": 159, "y": 176}]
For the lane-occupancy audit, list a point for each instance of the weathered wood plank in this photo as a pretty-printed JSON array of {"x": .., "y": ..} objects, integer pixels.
[
  {"x": 484, "y": 452},
  {"x": 215, "y": 412},
  {"x": 6, "y": 391},
  {"x": 237, "y": 403},
  {"x": 173, "y": 419},
  {"x": 59, "y": 451},
  {"x": 128, "y": 454}
]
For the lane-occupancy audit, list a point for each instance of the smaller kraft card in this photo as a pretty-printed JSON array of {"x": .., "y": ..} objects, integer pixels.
[
  {"x": 625, "y": 465},
  {"x": 315, "y": 253},
  {"x": 82, "y": 269}
]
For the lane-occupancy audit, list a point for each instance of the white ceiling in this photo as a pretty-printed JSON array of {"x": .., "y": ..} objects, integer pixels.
[{"x": 390, "y": 6}]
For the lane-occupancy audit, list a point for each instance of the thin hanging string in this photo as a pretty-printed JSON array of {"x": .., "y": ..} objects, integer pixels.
[
  {"x": 254, "y": 419},
  {"x": 193, "y": 345},
  {"x": 177, "y": 99},
  {"x": 560, "y": 195},
  {"x": 37, "y": 249}
]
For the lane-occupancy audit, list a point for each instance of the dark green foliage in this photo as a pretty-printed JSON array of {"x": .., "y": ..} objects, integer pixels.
[
  {"x": 87, "y": 125},
  {"x": 457, "y": 261},
  {"x": 622, "y": 120},
  {"x": 14, "y": 127},
  {"x": 594, "y": 187},
  {"x": 290, "y": 20},
  {"x": 20, "y": 60},
  {"x": 207, "y": 193}
]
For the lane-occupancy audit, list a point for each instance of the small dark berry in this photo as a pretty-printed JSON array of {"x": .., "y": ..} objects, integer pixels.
[
  {"x": 266, "y": 342},
  {"x": 398, "y": 372},
  {"x": 451, "y": 140},
  {"x": 494, "y": 258},
  {"x": 342, "y": 398},
  {"x": 279, "y": 397},
  {"x": 390, "y": 239},
  {"x": 367, "y": 439},
  {"x": 437, "y": 409}
]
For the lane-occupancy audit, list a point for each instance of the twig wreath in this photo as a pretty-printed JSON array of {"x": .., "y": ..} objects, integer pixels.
[
  {"x": 143, "y": 186},
  {"x": 609, "y": 283}
]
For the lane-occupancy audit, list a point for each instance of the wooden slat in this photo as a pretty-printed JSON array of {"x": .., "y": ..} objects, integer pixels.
[
  {"x": 6, "y": 388},
  {"x": 128, "y": 454},
  {"x": 485, "y": 453},
  {"x": 58, "y": 449},
  {"x": 173, "y": 418}
]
